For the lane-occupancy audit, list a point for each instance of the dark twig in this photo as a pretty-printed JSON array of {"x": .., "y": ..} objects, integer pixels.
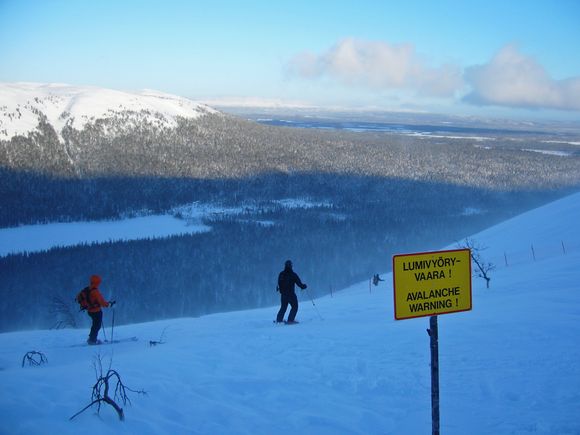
[
  {"x": 161, "y": 339},
  {"x": 482, "y": 267},
  {"x": 102, "y": 387},
  {"x": 34, "y": 358},
  {"x": 63, "y": 312}
]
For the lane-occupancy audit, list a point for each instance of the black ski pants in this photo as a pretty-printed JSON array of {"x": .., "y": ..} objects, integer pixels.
[
  {"x": 285, "y": 299},
  {"x": 96, "y": 326}
]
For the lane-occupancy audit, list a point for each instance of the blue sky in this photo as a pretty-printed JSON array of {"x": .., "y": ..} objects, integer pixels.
[{"x": 497, "y": 58}]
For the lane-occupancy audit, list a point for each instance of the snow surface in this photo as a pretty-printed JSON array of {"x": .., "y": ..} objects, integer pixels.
[
  {"x": 80, "y": 105},
  {"x": 562, "y": 141},
  {"x": 442, "y": 136},
  {"x": 548, "y": 152},
  {"x": 509, "y": 366}
]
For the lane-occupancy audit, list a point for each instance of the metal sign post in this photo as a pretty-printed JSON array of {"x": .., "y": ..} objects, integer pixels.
[
  {"x": 429, "y": 284},
  {"x": 434, "y": 334}
]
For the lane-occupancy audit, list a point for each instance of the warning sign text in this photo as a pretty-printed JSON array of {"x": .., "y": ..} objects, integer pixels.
[{"x": 431, "y": 283}]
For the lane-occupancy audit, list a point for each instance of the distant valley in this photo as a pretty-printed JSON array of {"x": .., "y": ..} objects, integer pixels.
[{"x": 70, "y": 154}]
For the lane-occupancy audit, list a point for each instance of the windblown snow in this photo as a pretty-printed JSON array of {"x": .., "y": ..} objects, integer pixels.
[
  {"x": 22, "y": 103},
  {"x": 511, "y": 365}
]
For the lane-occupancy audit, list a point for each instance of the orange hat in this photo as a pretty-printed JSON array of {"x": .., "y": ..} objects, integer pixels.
[{"x": 95, "y": 280}]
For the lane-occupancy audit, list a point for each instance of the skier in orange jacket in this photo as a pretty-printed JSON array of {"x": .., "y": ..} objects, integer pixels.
[{"x": 91, "y": 299}]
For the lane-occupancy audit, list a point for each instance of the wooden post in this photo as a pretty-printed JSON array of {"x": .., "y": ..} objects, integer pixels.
[
  {"x": 434, "y": 335},
  {"x": 533, "y": 253}
]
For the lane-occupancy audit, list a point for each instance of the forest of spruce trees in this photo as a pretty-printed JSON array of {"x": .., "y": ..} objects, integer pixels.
[{"x": 379, "y": 194}]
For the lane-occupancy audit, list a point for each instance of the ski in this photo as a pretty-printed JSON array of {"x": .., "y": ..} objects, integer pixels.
[
  {"x": 101, "y": 343},
  {"x": 120, "y": 340}
]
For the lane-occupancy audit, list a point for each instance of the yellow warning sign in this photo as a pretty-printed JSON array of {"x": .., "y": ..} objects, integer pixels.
[{"x": 431, "y": 283}]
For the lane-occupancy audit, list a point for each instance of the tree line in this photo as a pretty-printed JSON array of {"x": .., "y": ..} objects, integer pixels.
[
  {"x": 121, "y": 164},
  {"x": 234, "y": 266},
  {"x": 385, "y": 193}
]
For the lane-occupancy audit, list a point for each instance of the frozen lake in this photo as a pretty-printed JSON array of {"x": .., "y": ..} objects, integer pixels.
[{"x": 35, "y": 238}]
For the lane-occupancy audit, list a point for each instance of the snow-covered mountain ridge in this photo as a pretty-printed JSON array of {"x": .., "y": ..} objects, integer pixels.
[
  {"x": 82, "y": 132},
  {"x": 23, "y": 104}
]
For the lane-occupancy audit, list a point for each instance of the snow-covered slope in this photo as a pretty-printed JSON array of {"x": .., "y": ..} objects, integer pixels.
[
  {"x": 509, "y": 366},
  {"x": 22, "y": 103}
]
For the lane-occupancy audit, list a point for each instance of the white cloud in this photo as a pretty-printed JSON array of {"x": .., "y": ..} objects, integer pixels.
[
  {"x": 510, "y": 79},
  {"x": 378, "y": 65},
  {"x": 515, "y": 80}
]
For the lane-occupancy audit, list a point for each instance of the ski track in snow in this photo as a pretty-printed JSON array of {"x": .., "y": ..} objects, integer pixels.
[{"x": 509, "y": 366}]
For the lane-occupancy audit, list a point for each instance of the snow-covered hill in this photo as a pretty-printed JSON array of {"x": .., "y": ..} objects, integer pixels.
[
  {"x": 83, "y": 131},
  {"x": 22, "y": 105},
  {"x": 509, "y": 366}
]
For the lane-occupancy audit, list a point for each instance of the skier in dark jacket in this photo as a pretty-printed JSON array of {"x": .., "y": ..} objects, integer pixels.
[{"x": 286, "y": 281}]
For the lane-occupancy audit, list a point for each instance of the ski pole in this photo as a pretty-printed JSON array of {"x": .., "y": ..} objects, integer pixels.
[
  {"x": 113, "y": 323},
  {"x": 104, "y": 331},
  {"x": 314, "y": 305}
]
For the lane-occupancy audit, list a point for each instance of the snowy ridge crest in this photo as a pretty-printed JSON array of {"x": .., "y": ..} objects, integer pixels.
[{"x": 23, "y": 104}]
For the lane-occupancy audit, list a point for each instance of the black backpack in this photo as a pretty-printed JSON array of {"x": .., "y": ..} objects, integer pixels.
[{"x": 84, "y": 298}]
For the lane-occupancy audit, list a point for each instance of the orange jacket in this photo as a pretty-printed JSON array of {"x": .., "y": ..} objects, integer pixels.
[{"x": 96, "y": 301}]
